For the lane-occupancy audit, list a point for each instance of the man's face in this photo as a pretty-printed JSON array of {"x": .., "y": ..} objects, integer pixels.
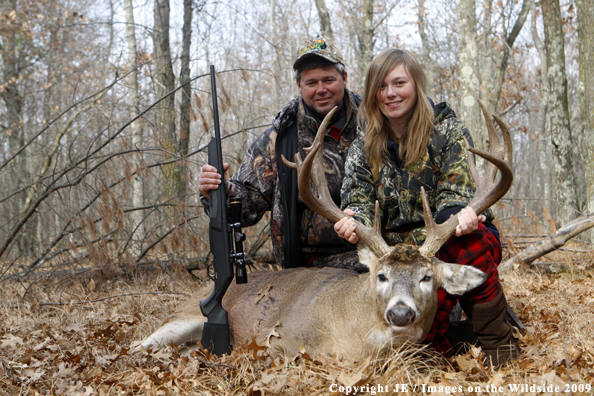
[{"x": 322, "y": 89}]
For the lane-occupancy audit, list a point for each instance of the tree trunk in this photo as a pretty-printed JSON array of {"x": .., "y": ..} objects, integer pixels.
[
  {"x": 563, "y": 168},
  {"x": 186, "y": 95},
  {"x": 487, "y": 56},
  {"x": 325, "y": 23},
  {"x": 510, "y": 39},
  {"x": 366, "y": 39},
  {"x": 427, "y": 62},
  {"x": 469, "y": 73},
  {"x": 165, "y": 81},
  {"x": 136, "y": 127},
  {"x": 12, "y": 119},
  {"x": 274, "y": 59},
  {"x": 585, "y": 16},
  {"x": 542, "y": 110}
]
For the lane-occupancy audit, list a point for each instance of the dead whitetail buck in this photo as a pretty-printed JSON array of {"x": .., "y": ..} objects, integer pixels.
[{"x": 337, "y": 311}]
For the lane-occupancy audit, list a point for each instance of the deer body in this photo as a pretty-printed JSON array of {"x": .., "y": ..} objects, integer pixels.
[
  {"x": 337, "y": 311},
  {"x": 330, "y": 310}
]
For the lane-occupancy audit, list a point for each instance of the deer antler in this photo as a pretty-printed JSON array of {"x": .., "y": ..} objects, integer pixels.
[
  {"x": 323, "y": 204},
  {"x": 487, "y": 193}
]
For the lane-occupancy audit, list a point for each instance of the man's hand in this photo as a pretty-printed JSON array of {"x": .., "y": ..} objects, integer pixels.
[
  {"x": 468, "y": 221},
  {"x": 345, "y": 227},
  {"x": 209, "y": 179}
]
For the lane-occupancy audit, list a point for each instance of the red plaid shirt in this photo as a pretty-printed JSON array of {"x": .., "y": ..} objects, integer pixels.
[{"x": 481, "y": 250}]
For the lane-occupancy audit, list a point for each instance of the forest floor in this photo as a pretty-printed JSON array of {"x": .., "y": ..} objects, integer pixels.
[{"x": 74, "y": 336}]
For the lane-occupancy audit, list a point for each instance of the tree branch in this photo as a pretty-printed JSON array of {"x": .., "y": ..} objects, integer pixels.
[{"x": 552, "y": 243}]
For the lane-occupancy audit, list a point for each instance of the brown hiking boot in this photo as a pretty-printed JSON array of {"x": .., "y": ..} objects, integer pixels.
[{"x": 493, "y": 331}]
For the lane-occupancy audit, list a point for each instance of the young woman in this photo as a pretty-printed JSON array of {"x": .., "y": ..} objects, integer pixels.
[{"x": 407, "y": 143}]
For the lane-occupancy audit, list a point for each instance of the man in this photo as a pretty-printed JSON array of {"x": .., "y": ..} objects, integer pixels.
[{"x": 300, "y": 237}]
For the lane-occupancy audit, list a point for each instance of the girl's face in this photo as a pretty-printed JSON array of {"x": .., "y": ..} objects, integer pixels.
[{"x": 397, "y": 96}]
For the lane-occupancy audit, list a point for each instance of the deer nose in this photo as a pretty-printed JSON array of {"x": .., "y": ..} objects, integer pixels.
[{"x": 401, "y": 315}]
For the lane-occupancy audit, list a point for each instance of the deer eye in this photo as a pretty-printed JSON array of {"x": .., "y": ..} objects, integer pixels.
[
  {"x": 382, "y": 278},
  {"x": 426, "y": 278}
]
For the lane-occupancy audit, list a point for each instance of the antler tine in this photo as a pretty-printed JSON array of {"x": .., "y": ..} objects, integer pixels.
[
  {"x": 318, "y": 174},
  {"x": 377, "y": 221},
  {"x": 323, "y": 203},
  {"x": 495, "y": 147},
  {"x": 487, "y": 193},
  {"x": 433, "y": 241},
  {"x": 507, "y": 141}
]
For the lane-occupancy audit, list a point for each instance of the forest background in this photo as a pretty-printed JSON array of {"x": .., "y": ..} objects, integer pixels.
[{"x": 105, "y": 108}]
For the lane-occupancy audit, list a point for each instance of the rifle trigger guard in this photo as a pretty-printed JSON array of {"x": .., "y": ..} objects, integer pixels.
[{"x": 210, "y": 271}]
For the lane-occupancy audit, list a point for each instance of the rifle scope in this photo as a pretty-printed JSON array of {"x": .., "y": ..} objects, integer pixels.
[{"x": 239, "y": 237}]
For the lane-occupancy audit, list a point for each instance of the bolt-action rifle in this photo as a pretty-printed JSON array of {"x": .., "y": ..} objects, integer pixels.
[{"x": 221, "y": 234}]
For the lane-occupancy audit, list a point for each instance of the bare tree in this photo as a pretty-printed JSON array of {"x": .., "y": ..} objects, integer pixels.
[
  {"x": 186, "y": 96},
  {"x": 165, "y": 82},
  {"x": 365, "y": 19},
  {"x": 487, "y": 57},
  {"x": 427, "y": 62},
  {"x": 585, "y": 15},
  {"x": 541, "y": 131},
  {"x": 274, "y": 61},
  {"x": 136, "y": 127},
  {"x": 366, "y": 37},
  {"x": 561, "y": 137},
  {"x": 509, "y": 40},
  {"x": 469, "y": 73},
  {"x": 325, "y": 21},
  {"x": 12, "y": 94}
]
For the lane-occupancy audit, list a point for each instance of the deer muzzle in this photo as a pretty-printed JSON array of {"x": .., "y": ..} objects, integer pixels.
[{"x": 401, "y": 316}]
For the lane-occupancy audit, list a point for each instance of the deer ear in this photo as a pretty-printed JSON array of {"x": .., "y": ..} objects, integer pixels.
[
  {"x": 457, "y": 279},
  {"x": 367, "y": 257}
]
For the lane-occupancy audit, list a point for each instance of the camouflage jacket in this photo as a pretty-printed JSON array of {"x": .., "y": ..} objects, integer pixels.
[
  {"x": 443, "y": 172},
  {"x": 298, "y": 234}
]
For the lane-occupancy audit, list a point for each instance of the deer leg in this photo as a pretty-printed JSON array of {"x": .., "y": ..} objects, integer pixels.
[{"x": 178, "y": 331}]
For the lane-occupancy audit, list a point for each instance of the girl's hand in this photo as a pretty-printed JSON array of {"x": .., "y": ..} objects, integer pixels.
[
  {"x": 345, "y": 227},
  {"x": 468, "y": 221}
]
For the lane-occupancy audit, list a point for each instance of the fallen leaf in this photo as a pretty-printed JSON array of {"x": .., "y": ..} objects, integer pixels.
[
  {"x": 63, "y": 371},
  {"x": 467, "y": 363},
  {"x": 11, "y": 341},
  {"x": 271, "y": 382},
  {"x": 73, "y": 327}
]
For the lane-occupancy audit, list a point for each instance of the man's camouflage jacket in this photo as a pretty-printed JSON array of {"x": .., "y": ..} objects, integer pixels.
[{"x": 297, "y": 233}]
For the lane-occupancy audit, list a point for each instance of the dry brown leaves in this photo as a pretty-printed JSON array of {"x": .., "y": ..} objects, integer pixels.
[{"x": 86, "y": 349}]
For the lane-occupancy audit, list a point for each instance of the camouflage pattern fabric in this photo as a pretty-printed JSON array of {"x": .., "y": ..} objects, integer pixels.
[
  {"x": 257, "y": 183},
  {"x": 318, "y": 47},
  {"x": 443, "y": 172}
]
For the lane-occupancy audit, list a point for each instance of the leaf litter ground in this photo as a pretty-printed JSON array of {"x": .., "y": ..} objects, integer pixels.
[{"x": 82, "y": 344}]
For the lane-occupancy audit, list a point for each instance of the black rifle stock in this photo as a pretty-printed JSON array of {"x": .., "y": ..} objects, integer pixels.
[{"x": 216, "y": 330}]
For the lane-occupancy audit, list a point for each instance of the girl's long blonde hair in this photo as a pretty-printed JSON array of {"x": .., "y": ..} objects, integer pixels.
[{"x": 420, "y": 124}]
